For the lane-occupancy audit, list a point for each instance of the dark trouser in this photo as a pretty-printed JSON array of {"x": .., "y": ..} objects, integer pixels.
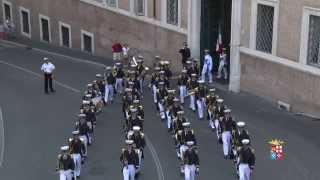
[{"x": 48, "y": 82}]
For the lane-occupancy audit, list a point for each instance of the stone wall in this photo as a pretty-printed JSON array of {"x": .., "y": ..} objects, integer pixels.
[{"x": 277, "y": 82}]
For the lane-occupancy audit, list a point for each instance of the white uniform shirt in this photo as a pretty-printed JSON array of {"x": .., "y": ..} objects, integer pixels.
[
  {"x": 125, "y": 50},
  {"x": 47, "y": 68},
  {"x": 223, "y": 58},
  {"x": 208, "y": 62}
]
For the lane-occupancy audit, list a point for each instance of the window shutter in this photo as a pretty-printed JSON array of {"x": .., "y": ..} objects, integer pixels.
[
  {"x": 172, "y": 12},
  {"x": 112, "y": 3},
  {"x": 139, "y": 6}
]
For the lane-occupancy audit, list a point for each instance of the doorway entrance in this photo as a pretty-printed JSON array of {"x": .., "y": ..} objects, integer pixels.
[{"x": 215, "y": 20}]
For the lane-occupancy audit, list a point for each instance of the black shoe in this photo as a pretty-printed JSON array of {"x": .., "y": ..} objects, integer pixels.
[
  {"x": 78, "y": 177},
  {"x": 46, "y": 92},
  {"x": 53, "y": 91}
]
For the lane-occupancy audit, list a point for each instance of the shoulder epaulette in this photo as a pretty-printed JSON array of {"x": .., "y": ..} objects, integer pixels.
[
  {"x": 123, "y": 150},
  {"x": 142, "y": 135}
]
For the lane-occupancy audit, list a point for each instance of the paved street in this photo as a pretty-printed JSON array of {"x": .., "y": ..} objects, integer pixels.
[{"x": 35, "y": 125}]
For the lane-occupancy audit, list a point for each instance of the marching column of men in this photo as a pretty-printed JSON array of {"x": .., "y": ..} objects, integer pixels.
[
  {"x": 74, "y": 154},
  {"x": 171, "y": 111},
  {"x": 231, "y": 134},
  {"x": 132, "y": 155},
  {"x": 129, "y": 85}
]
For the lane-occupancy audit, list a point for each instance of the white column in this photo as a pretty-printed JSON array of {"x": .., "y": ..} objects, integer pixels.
[
  {"x": 164, "y": 11},
  {"x": 132, "y": 6},
  {"x": 194, "y": 24},
  {"x": 146, "y": 7},
  {"x": 235, "y": 67}
]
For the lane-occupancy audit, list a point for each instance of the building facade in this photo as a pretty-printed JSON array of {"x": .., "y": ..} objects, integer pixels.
[
  {"x": 273, "y": 45},
  {"x": 278, "y": 56},
  {"x": 149, "y": 27}
]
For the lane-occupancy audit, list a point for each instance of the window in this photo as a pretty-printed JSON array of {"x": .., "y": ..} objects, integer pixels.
[
  {"x": 172, "y": 12},
  {"x": 65, "y": 35},
  {"x": 112, "y": 3},
  {"x": 7, "y": 10},
  {"x": 310, "y": 37},
  {"x": 45, "y": 33},
  {"x": 87, "y": 41},
  {"x": 264, "y": 28},
  {"x": 313, "y": 54},
  {"x": 25, "y": 22},
  {"x": 264, "y": 25},
  {"x": 140, "y": 7}
]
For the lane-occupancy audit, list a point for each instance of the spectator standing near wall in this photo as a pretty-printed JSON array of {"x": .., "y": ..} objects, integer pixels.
[
  {"x": 185, "y": 53},
  {"x": 2, "y": 31},
  {"x": 125, "y": 54},
  {"x": 9, "y": 28},
  {"x": 117, "y": 50}
]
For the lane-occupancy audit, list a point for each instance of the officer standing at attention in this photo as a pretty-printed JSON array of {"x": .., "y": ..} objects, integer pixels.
[
  {"x": 185, "y": 53},
  {"x": 47, "y": 68},
  {"x": 65, "y": 164},
  {"x": 246, "y": 160}
]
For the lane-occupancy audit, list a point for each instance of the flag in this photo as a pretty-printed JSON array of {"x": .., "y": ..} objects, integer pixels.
[{"x": 219, "y": 41}]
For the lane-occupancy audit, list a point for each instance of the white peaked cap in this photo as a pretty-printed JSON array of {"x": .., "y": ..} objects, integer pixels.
[
  {"x": 186, "y": 124},
  {"x": 245, "y": 141},
  {"x": 75, "y": 132},
  {"x": 220, "y": 100},
  {"x": 85, "y": 102},
  {"x": 241, "y": 124},
  {"x": 129, "y": 142},
  {"x": 136, "y": 128},
  {"x": 64, "y": 148},
  {"x": 81, "y": 115},
  {"x": 190, "y": 143}
]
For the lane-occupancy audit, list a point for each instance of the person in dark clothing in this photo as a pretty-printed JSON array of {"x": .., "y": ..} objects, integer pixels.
[
  {"x": 185, "y": 54},
  {"x": 65, "y": 164}
]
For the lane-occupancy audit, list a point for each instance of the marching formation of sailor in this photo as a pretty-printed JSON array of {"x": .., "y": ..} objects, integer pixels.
[
  {"x": 75, "y": 152},
  {"x": 169, "y": 102},
  {"x": 132, "y": 155}
]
